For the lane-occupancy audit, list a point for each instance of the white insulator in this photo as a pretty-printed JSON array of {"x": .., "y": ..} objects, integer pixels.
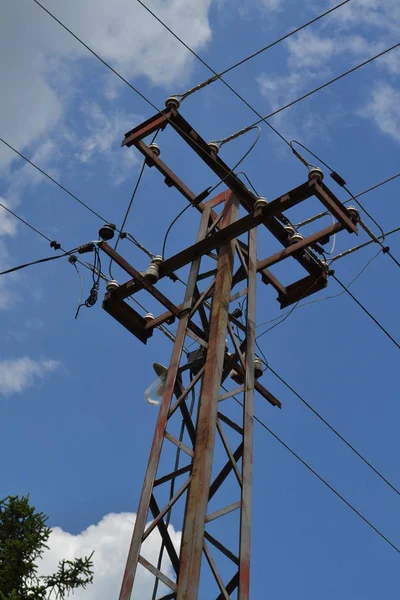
[
  {"x": 155, "y": 148},
  {"x": 296, "y": 237},
  {"x": 315, "y": 173},
  {"x": 112, "y": 285},
  {"x": 149, "y": 317},
  {"x": 173, "y": 101},
  {"x": 213, "y": 147},
  {"x": 260, "y": 203},
  {"x": 354, "y": 213}
]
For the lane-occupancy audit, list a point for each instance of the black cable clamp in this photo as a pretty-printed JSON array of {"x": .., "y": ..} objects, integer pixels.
[
  {"x": 72, "y": 259},
  {"x": 89, "y": 247},
  {"x": 338, "y": 179},
  {"x": 386, "y": 249},
  {"x": 122, "y": 235},
  {"x": 54, "y": 244},
  {"x": 331, "y": 272}
]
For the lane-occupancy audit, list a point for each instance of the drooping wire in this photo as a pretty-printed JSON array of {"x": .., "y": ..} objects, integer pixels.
[
  {"x": 326, "y": 423},
  {"x": 94, "y": 291},
  {"x": 314, "y": 91},
  {"x": 254, "y": 54},
  {"x": 280, "y": 317},
  {"x": 135, "y": 189},
  {"x": 178, "y": 216}
]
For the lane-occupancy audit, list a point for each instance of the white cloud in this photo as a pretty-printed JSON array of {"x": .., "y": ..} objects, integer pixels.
[
  {"x": 8, "y": 224},
  {"x": 384, "y": 110},
  {"x": 110, "y": 540},
  {"x": 41, "y": 57},
  {"x": 17, "y": 375}
]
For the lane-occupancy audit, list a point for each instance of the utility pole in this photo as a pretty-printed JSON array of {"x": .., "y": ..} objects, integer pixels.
[{"x": 199, "y": 421}]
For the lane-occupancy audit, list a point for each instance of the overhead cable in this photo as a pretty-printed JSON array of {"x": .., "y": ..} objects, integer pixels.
[
  {"x": 325, "y": 422},
  {"x": 283, "y": 317},
  {"x": 254, "y": 54},
  {"x": 57, "y": 183},
  {"x": 340, "y": 181},
  {"x": 308, "y": 94},
  {"x": 367, "y": 191},
  {"x": 367, "y": 312},
  {"x": 324, "y": 481}
]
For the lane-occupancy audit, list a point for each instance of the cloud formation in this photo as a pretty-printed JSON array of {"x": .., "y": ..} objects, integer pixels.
[
  {"x": 17, "y": 375},
  {"x": 110, "y": 540}
]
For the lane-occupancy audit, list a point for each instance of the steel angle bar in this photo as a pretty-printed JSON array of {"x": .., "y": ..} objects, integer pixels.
[
  {"x": 168, "y": 582},
  {"x": 198, "y": 493},
  {"x": 166, "y": 508},
  {"x": 172, "y": 475},
  {"x": 215, "y": 572},
  {"x": 229, "y": 453},
  {"x": 223, "y": 511},
  {"x": 146, "y": 500},
  {"x": 221, "y": 547},
  {"x": 248, "y": 420}
]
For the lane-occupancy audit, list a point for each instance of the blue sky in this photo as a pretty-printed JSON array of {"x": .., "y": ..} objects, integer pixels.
[{"x": 76, "y": 430}]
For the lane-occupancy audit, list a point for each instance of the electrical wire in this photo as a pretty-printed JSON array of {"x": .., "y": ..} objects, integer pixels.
[
  {"x": 215, "y": 73},
  {"x": 308, "y": 94},
  {"x": 57, "y": 183},
  {"x": 26, "y": 223},
  {"x": 324, "y": 298},
  {"x": 178, "y": 216},
  {"x": 327, "y": 424},
  {"x": 323, "y": 214},
  {"x": 322, "y": 480},
  {"x": 133, "y": 88},
  {"x": 258, "y": 52},
  {"x": 360, "y": 246},
  {"x": 36, "y": 262},
  {"x": 367, "y": 312},
  {"x": 94, "y": 291},
  {"x": 135, "y": 189},
  {"x": 340, "y": 181},
  {"x": 313, "y": 471}
]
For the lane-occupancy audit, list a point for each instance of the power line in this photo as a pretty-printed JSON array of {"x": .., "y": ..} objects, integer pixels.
[
  {"x": 178, "y": 216},
  {"x": 57, "y": 183},
  {"x": 325, "y": 422},
  {"x": 367, "y": 191},
  {"x": 215, "y": 73},
  {"x": 364, "y": 245},
  {"x": 133, "y": 88},
  {"x": 135, "y": 189},
  {"x": 54, "y": 244},
  {"x": 283, "y": 317},
  {"x": 25, "y": 222},
  {"x": 315, "y": 90},
  {"x": 340, "y": 181},
  {"x": 267, "y": 47},
  {"x": 36, "y": 262},
  {"x": 367, "y": 312},
  {"x": 322, "y": 480}
]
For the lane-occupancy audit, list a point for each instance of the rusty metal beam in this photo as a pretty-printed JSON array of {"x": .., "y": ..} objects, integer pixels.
[{"x": 197, "y": 498}]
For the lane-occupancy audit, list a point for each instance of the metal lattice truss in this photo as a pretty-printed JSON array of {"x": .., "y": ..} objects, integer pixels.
[{"x": 199, "y": 474}]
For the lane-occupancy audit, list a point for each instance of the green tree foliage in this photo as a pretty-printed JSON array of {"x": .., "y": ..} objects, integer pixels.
[{"x": 23, "y": 537}]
